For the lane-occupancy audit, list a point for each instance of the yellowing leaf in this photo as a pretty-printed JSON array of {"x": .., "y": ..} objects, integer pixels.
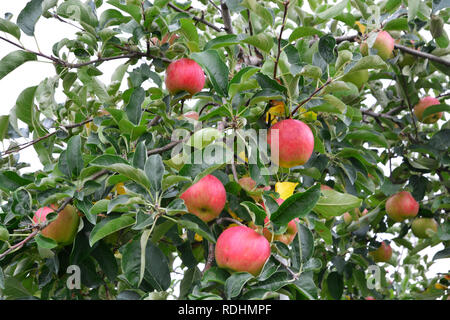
[
  {"x": 277, "y": 110},
  {"x": 361, "y": 27},
  {"x": 285, "y": 189}
]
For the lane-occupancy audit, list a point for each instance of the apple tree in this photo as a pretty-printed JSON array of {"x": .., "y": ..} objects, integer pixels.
[{"x": 228, "y": 149}]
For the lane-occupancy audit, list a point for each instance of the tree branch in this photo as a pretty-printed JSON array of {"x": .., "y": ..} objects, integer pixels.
[
  {"x": 201, "y": 20},
  {"x": 275, "y": 67},
  {"x": 311, "y": 96}
]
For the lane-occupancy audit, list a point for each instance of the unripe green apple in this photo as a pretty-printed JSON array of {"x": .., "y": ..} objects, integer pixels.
[
  {"x": 358, "y": 78},
  {"x": 384, "y": 44},
  {"x": 382, "y": 254},
  {"x": 184, "y": 75},
  {"x": 402, "y": 206},
  {"x": 240, "y": 249},
  {"x": 295, "y": 143},
  {"x": 64, "y": 228},
  {"x": 423, "y": 104},
  {"x": 421, "y": 226},
  {"x": 206, "y": 198}
]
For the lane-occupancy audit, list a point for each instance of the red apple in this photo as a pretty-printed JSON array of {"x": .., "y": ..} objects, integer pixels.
[
  {"x": 185, "y": 75},
  {"x": 402, "y": 206},
  {"x": 241, "y": 248},
  {"x": 420, "y": 107},
  {"x": 295, "y": 143},
  {"x": 64, "y": 228},
  {"x": 382, "y": 254},
  {"x": 384, "y": 43},
  {"x": 192, "y": 114},
  {"x": 206, "y": 198},
  {"x": 325, "y": 187},
  {"x": 420, "y": 226}
]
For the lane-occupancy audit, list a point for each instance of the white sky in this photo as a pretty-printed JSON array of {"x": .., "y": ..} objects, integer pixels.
[{"x": 49, "y": 31}]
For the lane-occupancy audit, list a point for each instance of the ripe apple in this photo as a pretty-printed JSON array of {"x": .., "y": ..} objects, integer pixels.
[
  {"x": 184, "y": 75},
  {"x": 241, "y": 248},
  {"x": 325, "y": 187},
  {"x": 295, "y": 143},
  {"x": 402, "y": 206},
  {"x": 192, "y": 114},
  {"x": 64, "y": 228},
  {"x": 420, "y": 226},
  {"x": 420, "y": 107},
  {"x": 358, "y": 78},
  {"x": 384, "y": 43},
  {"x": 206, "y": 198},
  {"x": 382, "y": 254}
]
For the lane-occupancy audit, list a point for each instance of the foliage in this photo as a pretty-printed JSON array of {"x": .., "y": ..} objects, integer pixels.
[{"x": 107, "y": 147}]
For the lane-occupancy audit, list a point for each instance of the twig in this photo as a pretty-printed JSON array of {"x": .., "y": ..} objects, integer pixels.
[
  {"x": 48, "y": 135},
  {"x": 226, "y": 18},
  {"x": 210, "y": 259},
  {"x": 223, "y": 219},
  {"x": 54, "y": 15},
  {"x": 201, "y": 20},
  {"x": 275, "y": 68},
  {"x": 165, "y": 148},
  {"x": 312, "y": 95}
]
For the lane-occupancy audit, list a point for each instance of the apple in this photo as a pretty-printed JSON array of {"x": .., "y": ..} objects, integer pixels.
[
  {"x": 420, "y": 107},
  {"x": 382, "y": 254},
  {"x": 295, "y": 143},
  {"x": 64, "y": 228},
  {"x": 325, "y": 187},
  {"x": 420, "y": 226},
  {"x": 206, "y": 198},
  {"x": 402, "y": 206},
  {"x": 370, "y": 298},
  {"x": 240, "y": 249},
  {"x": 192, "y": 115},
  {"x": 384, "y": 43},
  {"x": 184, "y": 75},
  {"x": 348, "y": 217},
  {"x": 358, "y": 78}
]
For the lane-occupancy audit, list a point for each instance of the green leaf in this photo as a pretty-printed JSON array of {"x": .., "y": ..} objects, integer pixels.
[
  {"x": 435, "y": 109},
  {"x": 189, "y": 30},
  {"x": 334, "y": 203},
  {"x": 14, "y": 60},
  {"x": 192, "y": 222},
  {"x": 368, "y": 62},
  {"x": 108, "y": 226},
  {"x": 413, "y": 9},
  {"x": 77, "y": 11},
  {"x": 74, "y": 157},
  {"x": 10, "y": 27},
  {"x": 133, "y": 10},
  {"x": 24, "y": 105},
  {"x": 323, "y": 231},
  {"x": 134, "y": 106},
  {"x": 27, "y": 18},
  {"x": 154, "y": 169},
  {"x": 235, "y": 283},
  {"x": 257, "y": 213},
  {"x": 301, "y": 32},
  {"x": 4, "y": 125},
  {"x": 10, "y": 181},
  {"x": 333, "y": 11},
  {"x": 44, "y": 242},
  {"x": 335, "y": 284},
  {"x": 368, "y": 136},
  {"x": 222, "y": 41},
  {"x": 140, "y": 156},
  {"x": 261, "y": 41},
  {"x": 215, "y": 68},
  {"x": 121, "y": 166},
  {"x": 302, "y": 246},
  {"x": 326, "y": 47},
  {"x": 259, "y": 10},
  {"x": 397, "y": 24},
  {"x": 296, "y": 206}
]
